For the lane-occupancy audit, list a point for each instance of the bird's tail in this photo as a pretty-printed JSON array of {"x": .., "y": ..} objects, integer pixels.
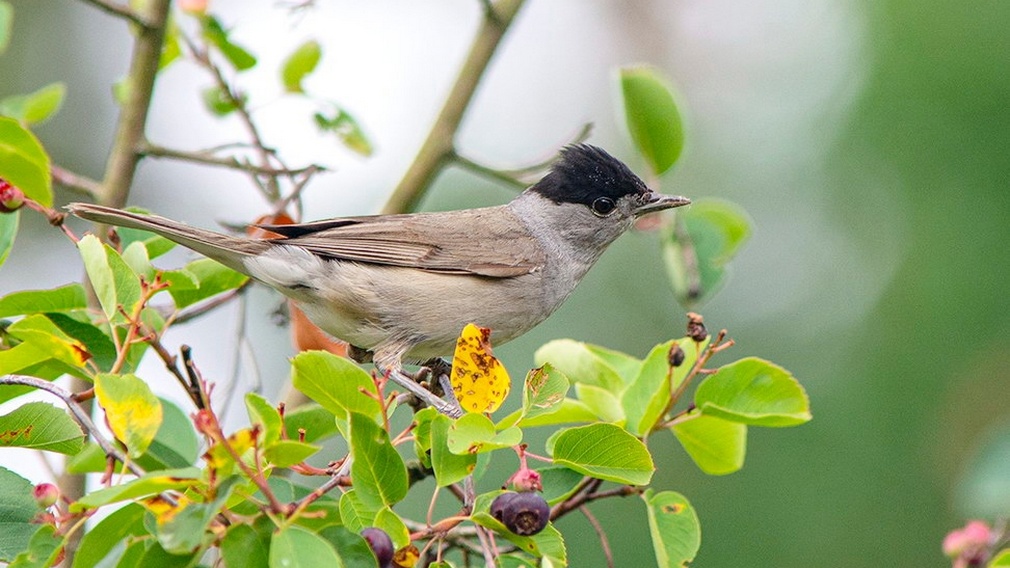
[{"x": 229, "y": 251}]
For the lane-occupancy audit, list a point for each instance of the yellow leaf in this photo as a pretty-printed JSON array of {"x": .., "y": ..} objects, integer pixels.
[
  {"x": 406, "y": 557},
  {"x": 218, "y": 455},
  {"x": 133, "y": 412},
  {"x": 480, "y": 381},
  {"x": 163, "y": 509}
]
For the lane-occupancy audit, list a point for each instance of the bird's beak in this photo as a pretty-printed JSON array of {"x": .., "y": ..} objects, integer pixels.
[{"x": 653, "y": 202}]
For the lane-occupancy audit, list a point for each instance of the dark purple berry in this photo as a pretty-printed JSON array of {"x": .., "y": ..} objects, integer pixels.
[
  {"x": 381, "y": 545},
  {"x": 676, "y": 356},
  {"x": 524, "y": 514}
]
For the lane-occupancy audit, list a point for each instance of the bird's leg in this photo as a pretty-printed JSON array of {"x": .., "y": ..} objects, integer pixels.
[
  {"x": 388, "y": 361},
  {"x": 435, "y": 372}
]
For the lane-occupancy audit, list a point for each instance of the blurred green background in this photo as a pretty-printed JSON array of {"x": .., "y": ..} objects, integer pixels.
[{"x": 867, "y": 140}]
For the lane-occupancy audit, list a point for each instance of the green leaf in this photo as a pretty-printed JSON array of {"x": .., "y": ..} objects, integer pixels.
[
  {"x": 449, "y": 467},
  {"x": 42, "y": 550},
  {"x": 24, "y": 163},
  {"x": 286, "y": 453},
  {"x": 218, "y": 102},
  {"x": 354, "y": 551},
  {"x": 718, "y": 446},
  {"x": 156, "y": 245},
  {"x": 216, "y": 35},
  {"x": 676, "y": 533},
  {"x": 213, "y": 278},
  {"x": 150, "y": 484},
  {"x": 94, "y": 340},
  {"x": 603, "y": 451},
  {"x": 580, "y": 364},
  {"x": 135, "y": 256},
  {"x": 544, "y": 391},
  {"x": 42, "y": 334},
  {"x": 568, "y": 412},
  {"x": 604, "y": 404},
  {"x": 133, "y": 412},
  {"x": 6, "y": 25},
  {"x": 627, "y": 367},
  {"x": 41, "y": 426},
  {"x": 355, "y": 513},
  {"x": 393, "y": 525},
  {"x": 299, "y": 64},
  {"x": 182, "y": 531},
  {"x": 559, "y": 483},
  {"x": 101, "y": 539},
  {"x": 314, "y": 420},
  {"x": 8, "y": 231},
  {"x": 18, "y": 359},
  {"x": 264, "y": 415},
  {"x": 63, "y": 299},
  {"x": 649, "y": 394},
  {"x": 335, "y": 383},
  {"x": 175, "y": 445},
  {"x": 698, "y": 247},
  {"x": 378, "y": 472},
  {"x": 653, "y": 119},
  {"x": 245, "y": 547},
  {"x": 171, "y": 49},
  {"x": 347, "y": 129},
  {"x": 474, "y": 433},
  {"x": 295, "y": 547},
  {"x": 114, "y": 282},
  {"x": 756, "y": 392},
  {"x": 37, "y": 107},
  {"x": 17, "y": 509},
  {"x": 1001, "y": 560}
]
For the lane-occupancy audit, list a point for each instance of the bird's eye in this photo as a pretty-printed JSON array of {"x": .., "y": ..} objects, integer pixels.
[{"x": 603, "y": 206}]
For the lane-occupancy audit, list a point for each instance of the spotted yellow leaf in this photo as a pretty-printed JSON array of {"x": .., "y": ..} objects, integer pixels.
[
  {"x": 479, "y": 381},
  {"x": 218, "y": 455},
  {"x": 133, "y": 412},
  {"x": 163, "y": 509}
]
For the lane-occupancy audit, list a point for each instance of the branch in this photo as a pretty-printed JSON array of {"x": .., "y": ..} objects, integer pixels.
[
  {"x": 437, "y": 149},
  {"x": 121, "y": 11},
  {"x": 122, "y": 164},
  {"x": 208, "y": 158},
  {"x": 604, "y": 542},
  {"x": 77, "y": 413},
  {"x": 76, "y": 182}
]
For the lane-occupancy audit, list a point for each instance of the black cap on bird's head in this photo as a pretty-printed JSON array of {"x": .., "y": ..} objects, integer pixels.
[{"x": 588, "y": 175}]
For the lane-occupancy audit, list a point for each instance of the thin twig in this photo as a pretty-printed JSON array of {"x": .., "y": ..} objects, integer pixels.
[
  {"x": 604, "y": 543},
  {"x": 208, "y": 158},
  {"x": 437, "y": 149},
  {"x": 76, "y": 182},
  {"x": 120, "y": 10},
  {"x": 77, "y": 413}
]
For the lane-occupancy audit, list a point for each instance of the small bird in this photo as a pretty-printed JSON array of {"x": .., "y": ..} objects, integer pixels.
[{"x": 404, "y": 286}]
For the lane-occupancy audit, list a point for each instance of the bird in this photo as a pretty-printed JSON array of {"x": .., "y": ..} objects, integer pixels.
[{"x": 401, "y": 287}]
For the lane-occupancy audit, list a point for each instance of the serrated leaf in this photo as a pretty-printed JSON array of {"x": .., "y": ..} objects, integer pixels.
[
  {"x": 63, "y": 299},
  {"x": 354, "y": 513},
  {"x": 649, "y": 394},
  {"x": 295, "y": 547},
  {"x": 652, "y": 116},
  {"x": 676, "y": 533},
  {"x": 8, "y": 232},
  {"x": 718, "y": 446},
  {"x": 24, "y": 163},
  {"x": 567, "y": 412},
  {"x": 448, "y": 467},
  {"x": 114, "y": 282},
  {"x": 603, "y": 451},
  {"x": 715, "y": 231},
  {"x": 35, "y": 107},
  {"x": 755, "y": 392},
  {"x": 17, "y": 509},
  {"x": 580, "y": 364},
  {"x": 41, "y": 426},
  {"x": 559, "y": 483},
  {"x": 299, "y": 65},
  {"x": 150, "y": 484},
  {"x": 474, "y": 433},
  {"x": 43, "y": 548},
  {"x": 393, "y": 526},
  {"x": 133, "y": 412},
  {"x": 378, "y": 472},
  {"x": 335, "y": 383}
]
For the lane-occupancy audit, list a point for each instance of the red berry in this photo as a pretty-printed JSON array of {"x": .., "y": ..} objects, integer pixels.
[
  {"x": 381, "y": 545},
  {"x": 11, "y": 198},
  {"x": 46, "y": 494}
]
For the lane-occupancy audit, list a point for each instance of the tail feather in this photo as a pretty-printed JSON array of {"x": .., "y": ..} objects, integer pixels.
[{"x": 228, "y": 250}]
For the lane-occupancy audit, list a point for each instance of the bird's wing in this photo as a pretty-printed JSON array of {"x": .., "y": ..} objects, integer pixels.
[{"x": 486, "y": 242}]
